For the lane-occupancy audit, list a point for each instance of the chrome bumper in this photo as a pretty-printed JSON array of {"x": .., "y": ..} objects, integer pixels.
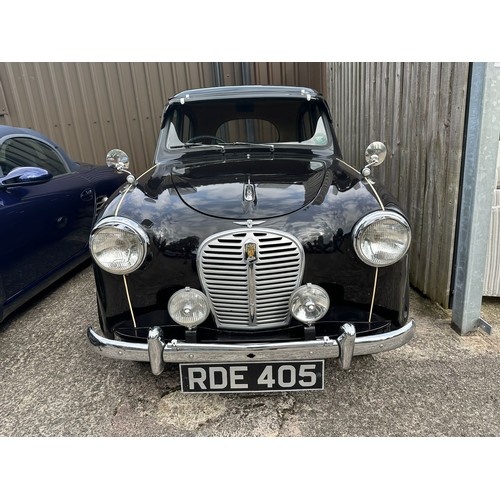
[{"x": 158, "y": 352}]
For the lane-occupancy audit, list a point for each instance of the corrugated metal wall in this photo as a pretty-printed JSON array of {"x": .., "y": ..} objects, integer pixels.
[
  {"x": 418, "y": 111},
  {"x": 305, "y": 74},
  {"x": 89, "y": 108},
  {"x": 92, "y": 107}
]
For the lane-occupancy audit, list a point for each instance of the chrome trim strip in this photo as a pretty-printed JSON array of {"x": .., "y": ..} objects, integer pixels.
[
  {"x": 251, "y": 280},
  {"x": 375, "y": 281},
  {"x": 372, "y": 185},
  {"x": 129, "y": 300},
  {"x": 182, "y": 352}
]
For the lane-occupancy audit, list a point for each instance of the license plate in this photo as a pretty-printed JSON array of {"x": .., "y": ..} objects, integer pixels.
[{"x": 252, "y": 377}]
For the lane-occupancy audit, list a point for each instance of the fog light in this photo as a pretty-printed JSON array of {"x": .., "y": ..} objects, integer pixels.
[
  {"x": 188, "y": 307},
  {"x": 309, "y": 303}
]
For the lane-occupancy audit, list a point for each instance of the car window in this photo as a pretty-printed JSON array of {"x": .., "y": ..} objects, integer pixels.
[
  {"x": 320, "y": 137},
  {"x": 180, "y": 130},
  {"x": 28, "y": 152},
  {"x": 277, "y": 121},
  {"x": 252, "y": 130}
]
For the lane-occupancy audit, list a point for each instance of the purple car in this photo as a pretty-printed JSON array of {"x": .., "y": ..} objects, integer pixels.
[{"x": 48, "y": 205}]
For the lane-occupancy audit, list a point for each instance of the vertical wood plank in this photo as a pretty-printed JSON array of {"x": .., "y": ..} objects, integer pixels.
[{"x": 418, "y": 109}]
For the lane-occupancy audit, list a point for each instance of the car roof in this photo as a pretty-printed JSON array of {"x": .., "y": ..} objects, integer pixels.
[
  {"x": 9, "y": 130},
  {"x": 245, "y": 91}
]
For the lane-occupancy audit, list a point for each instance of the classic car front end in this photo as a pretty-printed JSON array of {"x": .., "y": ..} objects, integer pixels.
[{"x": 250, "y": 252}]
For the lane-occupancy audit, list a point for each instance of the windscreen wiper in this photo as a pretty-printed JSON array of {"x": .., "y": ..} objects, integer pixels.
[
  {"x": 198, "y": 144},
  {"x": 251, "y": 144}
]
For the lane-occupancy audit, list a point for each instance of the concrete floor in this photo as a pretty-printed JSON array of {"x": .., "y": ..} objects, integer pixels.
[
  {"x": 439, "y": 385},
  {"x": 52, "y": 384}
]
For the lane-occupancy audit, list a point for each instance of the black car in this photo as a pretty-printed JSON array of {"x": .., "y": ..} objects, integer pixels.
[{"x": 250, "y": 251}]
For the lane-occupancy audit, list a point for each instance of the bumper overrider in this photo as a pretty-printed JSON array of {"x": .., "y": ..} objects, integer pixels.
[{"x": 157, "y": 351}]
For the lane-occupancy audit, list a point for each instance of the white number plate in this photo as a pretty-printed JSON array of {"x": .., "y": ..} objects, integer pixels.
[{"x": 253, "y": 377}]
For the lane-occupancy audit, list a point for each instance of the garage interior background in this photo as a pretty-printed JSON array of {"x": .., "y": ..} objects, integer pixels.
[{"x": 92, "y": 107}]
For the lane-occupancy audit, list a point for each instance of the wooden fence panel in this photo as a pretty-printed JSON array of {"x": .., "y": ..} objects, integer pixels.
[{"x": 418, "y": 110}]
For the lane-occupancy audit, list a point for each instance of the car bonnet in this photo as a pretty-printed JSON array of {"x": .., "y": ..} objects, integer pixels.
[{"x": 250, "y": 188}]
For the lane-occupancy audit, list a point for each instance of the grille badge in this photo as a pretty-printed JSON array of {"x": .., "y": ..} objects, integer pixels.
[{"x": 250, "y": 252}]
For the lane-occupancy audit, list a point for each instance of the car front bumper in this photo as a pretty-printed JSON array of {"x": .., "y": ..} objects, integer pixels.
[{"x": 158, "y": 352}]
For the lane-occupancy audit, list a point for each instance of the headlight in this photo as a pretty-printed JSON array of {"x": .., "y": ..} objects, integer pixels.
[
  {"x": 188, "y": 307},
  {"x": 381, "y": 238},
  {"x": 309, "y": 303},
  {"x": 118, "y": 245}
]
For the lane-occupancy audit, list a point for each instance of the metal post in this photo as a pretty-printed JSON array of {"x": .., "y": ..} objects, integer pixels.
[{"x": 483, "y": 128}]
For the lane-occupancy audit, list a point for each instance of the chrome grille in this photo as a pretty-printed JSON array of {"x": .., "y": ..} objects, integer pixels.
[{"x": 245, "y": 292}]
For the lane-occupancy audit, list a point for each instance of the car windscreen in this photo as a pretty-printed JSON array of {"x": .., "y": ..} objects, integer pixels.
[{"x": 262, "y": 121}]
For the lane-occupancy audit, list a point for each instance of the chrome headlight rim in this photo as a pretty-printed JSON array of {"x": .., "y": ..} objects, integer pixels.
[
  {"x": 123, "y": 224},
  {"x": 367, "y": 221}
]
